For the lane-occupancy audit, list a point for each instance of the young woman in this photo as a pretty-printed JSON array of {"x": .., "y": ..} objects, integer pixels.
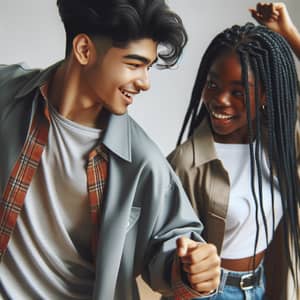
[{"x": 239, "y": 164}]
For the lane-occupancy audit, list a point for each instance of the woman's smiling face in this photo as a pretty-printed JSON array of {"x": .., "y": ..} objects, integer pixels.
[{"x": 224, "y": 97}]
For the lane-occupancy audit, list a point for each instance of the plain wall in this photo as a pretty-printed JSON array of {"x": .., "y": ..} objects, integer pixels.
[{"x": 31, "y": 32}]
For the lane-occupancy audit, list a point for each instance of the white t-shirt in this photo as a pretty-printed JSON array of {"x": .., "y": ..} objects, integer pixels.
[
  {"x": 48, "y": 256},
  {"x": 240, "y": 228}
]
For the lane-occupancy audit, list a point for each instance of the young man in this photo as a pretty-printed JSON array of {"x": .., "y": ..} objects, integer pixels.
[{"x": 88, "y": 201}]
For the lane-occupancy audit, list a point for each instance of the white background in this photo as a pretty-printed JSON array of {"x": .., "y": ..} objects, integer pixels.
[{"x": 31, "y": 32}]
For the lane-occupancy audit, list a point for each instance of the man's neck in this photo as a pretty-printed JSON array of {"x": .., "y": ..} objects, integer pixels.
[{"x": 65, "y": 94}]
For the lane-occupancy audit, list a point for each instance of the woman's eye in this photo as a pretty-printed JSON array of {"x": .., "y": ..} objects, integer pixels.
[
  {"x": 210, "y": 84},
  {"x": 238, "y": 93}
]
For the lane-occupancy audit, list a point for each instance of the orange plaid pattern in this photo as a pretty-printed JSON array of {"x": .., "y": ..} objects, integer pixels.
[
  {"x": 96, "y": 180},
  {"x": 24, "y": 170},
  {"x": 20, "y": 178}
]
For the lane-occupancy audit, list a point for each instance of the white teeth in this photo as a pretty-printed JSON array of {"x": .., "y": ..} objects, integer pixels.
[
  {"x": 220, "y": 116},
  {"x": 126, "y": 94}
]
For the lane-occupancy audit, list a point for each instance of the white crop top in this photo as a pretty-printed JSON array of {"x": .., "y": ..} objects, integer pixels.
[{"x": 240, "y": 228}]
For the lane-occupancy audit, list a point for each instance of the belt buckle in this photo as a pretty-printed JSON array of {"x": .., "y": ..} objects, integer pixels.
[{"x": 242, "y": 284}]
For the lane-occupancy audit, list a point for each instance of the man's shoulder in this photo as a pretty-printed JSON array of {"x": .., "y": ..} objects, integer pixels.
[
  {"x": 145, "y": 150},
  {"x": 142, "y": 144},
  {"x": 14, "y": 76},
  {"x": 15, "y": 71},
  {"x": 150, "y": 161}
]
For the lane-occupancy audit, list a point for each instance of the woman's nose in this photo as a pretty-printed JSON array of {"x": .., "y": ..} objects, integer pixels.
[{"x": 222, "y": 98}]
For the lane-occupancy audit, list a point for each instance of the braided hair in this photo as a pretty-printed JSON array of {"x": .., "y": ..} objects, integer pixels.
[{"x": 270, "y": 59}]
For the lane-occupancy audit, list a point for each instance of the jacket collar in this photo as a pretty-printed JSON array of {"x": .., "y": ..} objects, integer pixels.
[
  {"x": 37, "y": 80},
  {"x": 117, "y": 136},
  {"x": 203, "y": 144}
]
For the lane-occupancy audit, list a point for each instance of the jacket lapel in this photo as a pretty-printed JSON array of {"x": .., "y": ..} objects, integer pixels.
[{"x": 117, "y": 207}]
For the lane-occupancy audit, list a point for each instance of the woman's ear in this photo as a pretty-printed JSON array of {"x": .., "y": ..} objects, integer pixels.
[{"x": 263, "y": 100}]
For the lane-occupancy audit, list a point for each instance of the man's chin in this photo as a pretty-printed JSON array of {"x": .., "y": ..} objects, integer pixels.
[{"x": 119, "y": 112}]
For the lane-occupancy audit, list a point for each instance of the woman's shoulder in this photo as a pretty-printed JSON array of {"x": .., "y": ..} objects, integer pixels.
[
  {"x": 183, "y": 155},
  {"x": 197, "y": 150}
]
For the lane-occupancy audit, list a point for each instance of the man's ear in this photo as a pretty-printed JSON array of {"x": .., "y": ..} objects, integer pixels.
[{"x": 83, "y": 48}]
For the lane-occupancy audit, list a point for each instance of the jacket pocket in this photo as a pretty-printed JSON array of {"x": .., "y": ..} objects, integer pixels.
[{"x": 133, "y": 217}]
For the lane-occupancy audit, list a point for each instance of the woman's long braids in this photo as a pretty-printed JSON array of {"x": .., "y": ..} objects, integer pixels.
[{"x": 270, "y": 59}]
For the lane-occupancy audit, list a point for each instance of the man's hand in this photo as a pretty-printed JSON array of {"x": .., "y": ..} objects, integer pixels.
[{"x": 201, "y": 263}]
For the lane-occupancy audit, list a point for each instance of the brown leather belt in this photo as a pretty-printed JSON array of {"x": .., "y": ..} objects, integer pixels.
[{"x": 246, "y": 281}]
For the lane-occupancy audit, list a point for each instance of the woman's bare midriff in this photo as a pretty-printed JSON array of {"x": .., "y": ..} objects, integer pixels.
[{"x": 242, "y": 264}]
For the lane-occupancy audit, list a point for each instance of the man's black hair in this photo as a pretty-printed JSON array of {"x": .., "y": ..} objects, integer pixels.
[{"x": 124, "y": 21}]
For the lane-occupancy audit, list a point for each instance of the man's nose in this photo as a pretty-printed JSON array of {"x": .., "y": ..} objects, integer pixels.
[{"x": 143, "y": 82}]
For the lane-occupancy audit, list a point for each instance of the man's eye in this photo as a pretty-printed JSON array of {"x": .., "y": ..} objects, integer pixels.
[{"x": 132, "y": 65}]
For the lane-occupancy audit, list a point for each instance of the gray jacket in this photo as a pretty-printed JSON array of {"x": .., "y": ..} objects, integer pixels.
[{"x": 145, "y": 209}]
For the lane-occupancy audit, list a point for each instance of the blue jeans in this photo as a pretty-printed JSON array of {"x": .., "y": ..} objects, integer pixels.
[{"x": 228, "y": 292}]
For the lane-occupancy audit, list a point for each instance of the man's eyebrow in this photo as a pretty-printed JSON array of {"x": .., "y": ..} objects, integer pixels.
[{"x": 143, "y": 59}]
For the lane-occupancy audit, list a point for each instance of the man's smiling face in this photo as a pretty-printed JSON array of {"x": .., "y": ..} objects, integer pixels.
[{"x": 114, "y": 77}]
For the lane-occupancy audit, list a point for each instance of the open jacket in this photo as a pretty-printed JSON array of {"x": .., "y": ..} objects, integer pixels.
[
  {"x": 207, "y": 184},
  {"x": 145, "y": 209}
]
